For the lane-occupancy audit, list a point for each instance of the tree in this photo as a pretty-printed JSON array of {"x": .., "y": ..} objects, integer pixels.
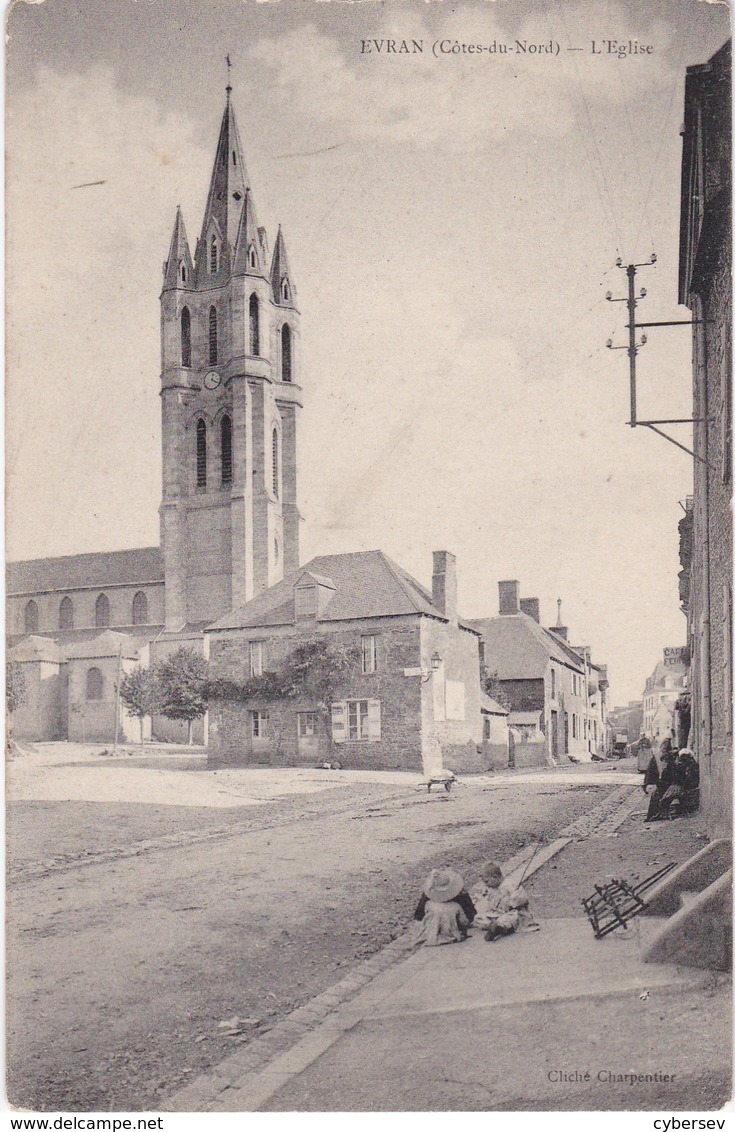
[
  {"x": 15, "y": 693},
  {"x": 311, "y": 672},
  {"x": 496, "y": 691},
  {"x": 15, "y": 686},
  {"x": 182, "y": 686},
  {"x": 139, "y": 693}
]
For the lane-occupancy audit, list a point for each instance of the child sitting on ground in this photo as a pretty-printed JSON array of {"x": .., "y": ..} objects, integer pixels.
[
  {"x": 445, "y": 910},
  {"x": 502, "y": 908}
]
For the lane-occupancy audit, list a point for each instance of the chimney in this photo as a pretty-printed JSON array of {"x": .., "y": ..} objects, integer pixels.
[
  {"x": 531, "y": 606},
  {"x": 559, "y": 629},
  {"x": 508, "y": 593},
  {"x": 444, "y": 584}
]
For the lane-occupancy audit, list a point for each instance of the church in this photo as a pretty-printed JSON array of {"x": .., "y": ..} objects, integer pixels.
[
  {"x": 226, "y": 580},
  {"x": 229, "y": 518}
]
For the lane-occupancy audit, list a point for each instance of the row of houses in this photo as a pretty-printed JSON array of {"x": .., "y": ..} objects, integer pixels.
[{"x": 424, "y": 688}]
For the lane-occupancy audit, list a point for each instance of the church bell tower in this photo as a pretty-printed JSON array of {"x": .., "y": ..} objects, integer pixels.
[{"x": 229, "y": 400}]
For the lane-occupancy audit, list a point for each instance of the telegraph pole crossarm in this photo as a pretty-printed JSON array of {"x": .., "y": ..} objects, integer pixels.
[{"x": 633, "y": 348}]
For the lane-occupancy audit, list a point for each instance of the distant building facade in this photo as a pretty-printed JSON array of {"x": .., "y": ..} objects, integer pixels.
[
  {"x": 664, "y": 687},
  {"x": 705, "y": 286},
  {"x": 556, "y": 695}
]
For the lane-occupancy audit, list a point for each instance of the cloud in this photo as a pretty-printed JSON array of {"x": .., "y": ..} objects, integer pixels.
[
  {"x": 83, "y": 271},
  {"x": 462, "y": 100}
]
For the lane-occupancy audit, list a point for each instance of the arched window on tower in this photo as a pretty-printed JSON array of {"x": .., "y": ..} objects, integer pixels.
[
  {"x": 183, "y": 273},
  {"x": 275, "y": 461},
  {"x": 95, "y": 684},
  {"x": 201, "y": 453},
  {"x": 285, "y": 291},
  {"x": 140, "y": 609},
  {"x": 30, "y": 617},
  {"x": 213, "y": 256},
  {"x": 212, "y": 336},
  {"x": 226, "y": 444},
  {"x": 102, "y": 611},
  {"x": 66, "y": 614},
  {"x": 252, "y": 260},
  {"x": 254, "y": 309},
  {"x": 185, "y": 337},
  {"x": 286, "y": 352}
]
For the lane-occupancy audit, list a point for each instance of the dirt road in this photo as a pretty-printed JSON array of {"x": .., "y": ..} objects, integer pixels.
[{"x": 132, "y": 942}]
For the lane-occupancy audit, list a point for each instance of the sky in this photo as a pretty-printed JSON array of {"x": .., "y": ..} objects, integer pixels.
[{"x": 452, "y": 224}]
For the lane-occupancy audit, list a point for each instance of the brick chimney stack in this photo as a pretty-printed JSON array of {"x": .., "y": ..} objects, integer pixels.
[
  {"x": 508, "y": 593},
  {"x": 444, "y": 584},
  {"x": 532, "y": 607}
]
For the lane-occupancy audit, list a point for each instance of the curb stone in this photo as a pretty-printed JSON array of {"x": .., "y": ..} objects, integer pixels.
[{"x": 205, "y": 1092}]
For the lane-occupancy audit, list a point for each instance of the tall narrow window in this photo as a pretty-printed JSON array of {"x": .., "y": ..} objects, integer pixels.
[
  {"x": 212, "y": 336},
  {"x": 213, "y": 256},
  {"x": 226, "y": 440},
  {"x": 185, "y": 337},
  {"x": 94, "y": 684},
  {"x": 254, "y": 325},
  {"x": 66, "y": 614},
  {"x": 102, "y": 611},
  {"x": 140, "y": 609},
  {"x": 274, "y": 450},
  {"x": 285, "y": 352},
  {"x": 201, "y": 453},
  {"x": 30, "y": 617}
]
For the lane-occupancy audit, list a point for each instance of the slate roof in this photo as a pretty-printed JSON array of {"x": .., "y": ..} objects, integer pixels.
[
  {"x": 518, "y": 648},
  {"x": 367, "y": 584},
  {"x": 104, "y": 644},
  {"x": 76, "y": 571},
  {"x": 491, "y": 706}
]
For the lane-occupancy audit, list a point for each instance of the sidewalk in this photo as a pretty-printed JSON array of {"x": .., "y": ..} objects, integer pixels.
[{"x": 550, "y": 1021}]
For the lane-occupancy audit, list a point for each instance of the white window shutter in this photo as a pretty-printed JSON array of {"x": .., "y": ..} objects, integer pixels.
[
  {"x": 374, "y": 720},
  {"x": 339, "y": 712}
]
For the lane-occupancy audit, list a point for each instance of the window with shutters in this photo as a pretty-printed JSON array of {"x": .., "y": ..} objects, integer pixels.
[
  {"x": 201, "y": 453},
  {"x": 185, "y": 337},
  {"x": 254, "y": 316},
  {"x": 102, "y": 611},
  {"x": 30, "y": 617},
  {"x": 286, "y": 352},
  {"x": 260, "y": 724},
  {"x": 95, "y": 685},
  {"x": 356, "y": 721},
  {"x": 212, "y": 336},
  {"x": 140, "y": 609},
  {"x": 66, "y": 614},
  {"x": 226, "y": 444}
]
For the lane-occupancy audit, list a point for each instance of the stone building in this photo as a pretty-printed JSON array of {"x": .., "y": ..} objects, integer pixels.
[
  {"x": 229, "y": 520},
  {"x": 557, "y": 697},
  {"x": 410, "y": 700},
  {"x": 663, "y": 689},
  {"x": 705, "y": 287}
]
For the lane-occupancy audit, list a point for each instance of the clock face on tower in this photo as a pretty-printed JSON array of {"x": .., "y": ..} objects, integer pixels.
[{"x": 212, "y": 380}]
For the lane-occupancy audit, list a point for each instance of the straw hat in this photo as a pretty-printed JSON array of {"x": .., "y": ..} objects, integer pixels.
[{"x": 443, "y": 884}]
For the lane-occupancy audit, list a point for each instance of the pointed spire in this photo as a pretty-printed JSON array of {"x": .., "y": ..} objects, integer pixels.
[
  {"x": 179, "y": 270},
  {"x": 284, "y": 292},
  {"x": 227, "y": 191},
  {"x": 249, "y": 256}
]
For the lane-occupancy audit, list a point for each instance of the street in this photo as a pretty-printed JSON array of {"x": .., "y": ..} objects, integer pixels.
[{"x": 136, "y": 928}]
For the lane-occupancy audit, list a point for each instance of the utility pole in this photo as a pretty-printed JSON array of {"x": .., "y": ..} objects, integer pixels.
[
  {"x": 633, "y": 347},
  {"x": 117, "y": 698}
]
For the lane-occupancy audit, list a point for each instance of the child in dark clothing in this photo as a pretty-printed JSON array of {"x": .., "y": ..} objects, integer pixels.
[{"x": 445, "y": 910}]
